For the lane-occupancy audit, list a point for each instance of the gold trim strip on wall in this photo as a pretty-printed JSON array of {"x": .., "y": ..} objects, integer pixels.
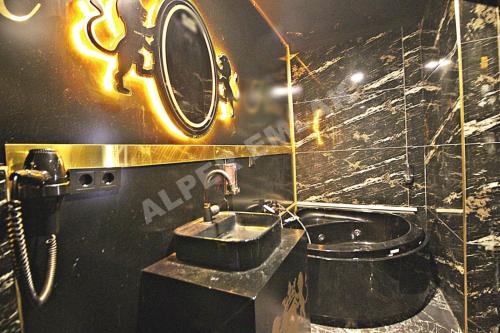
[
  {"x": 269, "y": 22},
  {"x": 86, "y": 156},
  {"x": 291, "y": 121},
  {"x": 463, "y": 156}
]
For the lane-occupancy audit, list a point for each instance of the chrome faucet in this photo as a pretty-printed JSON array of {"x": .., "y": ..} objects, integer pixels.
[{"x": 209, "y": 210}]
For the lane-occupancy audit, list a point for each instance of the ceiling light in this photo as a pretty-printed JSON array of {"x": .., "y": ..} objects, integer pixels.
[
  {"x": 357, "y": 77},
  {"x": 444, "y": 62},
  {"x": 433, "y": 64},
  {"x": 283, "y": 91}
]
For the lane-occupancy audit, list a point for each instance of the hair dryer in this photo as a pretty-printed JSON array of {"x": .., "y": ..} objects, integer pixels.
[{"x": 38, "y": 189}]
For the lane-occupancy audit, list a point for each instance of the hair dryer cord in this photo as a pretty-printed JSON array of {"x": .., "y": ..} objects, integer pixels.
[{"x": 17, "y": 242}]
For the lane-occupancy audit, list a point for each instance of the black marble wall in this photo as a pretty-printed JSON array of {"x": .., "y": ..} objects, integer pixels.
[
  {"x": 442, "y": 159},
  {"x": 479, "y": 242},
  {"x": 480, "y": 49},
  {"x": 373, "y": 103},
  {"x": 352, "y": 137}
]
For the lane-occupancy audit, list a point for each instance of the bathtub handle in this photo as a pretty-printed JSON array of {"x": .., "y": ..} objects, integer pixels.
[{"x": 360, "y": 208}]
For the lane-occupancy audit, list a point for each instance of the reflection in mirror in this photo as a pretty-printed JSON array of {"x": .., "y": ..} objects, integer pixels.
[{"x": 189, "y": 73}]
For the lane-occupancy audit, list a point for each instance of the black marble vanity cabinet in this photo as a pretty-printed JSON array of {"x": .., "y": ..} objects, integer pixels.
[{"x": 178, "y": 297}]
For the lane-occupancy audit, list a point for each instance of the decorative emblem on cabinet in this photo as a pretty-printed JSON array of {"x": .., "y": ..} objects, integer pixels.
[
  {"x": 293, "y": 319},
  {"x": 165, "y": 46}
]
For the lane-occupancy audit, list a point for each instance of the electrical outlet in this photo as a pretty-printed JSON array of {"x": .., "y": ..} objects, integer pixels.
[
  {"x": 108, "y": 179},
  {"x": 88, "y": 180},
  {"x": 82, "y": 180}
]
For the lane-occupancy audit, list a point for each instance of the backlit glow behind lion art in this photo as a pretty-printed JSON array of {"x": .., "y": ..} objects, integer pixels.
[{"x": 119, "y": 55}]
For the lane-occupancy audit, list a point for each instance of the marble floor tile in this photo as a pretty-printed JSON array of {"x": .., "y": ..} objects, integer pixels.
[{"x": 436, "y": 317}]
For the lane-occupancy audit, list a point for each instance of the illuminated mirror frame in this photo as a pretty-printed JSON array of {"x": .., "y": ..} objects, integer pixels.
[{"x": 164, "y": 17}]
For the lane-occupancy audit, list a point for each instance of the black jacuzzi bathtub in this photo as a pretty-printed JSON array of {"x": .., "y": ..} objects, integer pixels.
[{"x": 365, "y": 269}]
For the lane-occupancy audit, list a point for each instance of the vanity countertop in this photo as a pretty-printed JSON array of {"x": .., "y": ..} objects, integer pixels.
[{"x": 244, "y": 283}]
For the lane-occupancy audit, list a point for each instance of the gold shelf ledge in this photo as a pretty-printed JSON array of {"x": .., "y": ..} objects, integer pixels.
[{"x": 91, "y": 156}]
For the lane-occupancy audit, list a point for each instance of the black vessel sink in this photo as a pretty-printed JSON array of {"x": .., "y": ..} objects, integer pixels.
[{"x": 234, "y": 241}]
